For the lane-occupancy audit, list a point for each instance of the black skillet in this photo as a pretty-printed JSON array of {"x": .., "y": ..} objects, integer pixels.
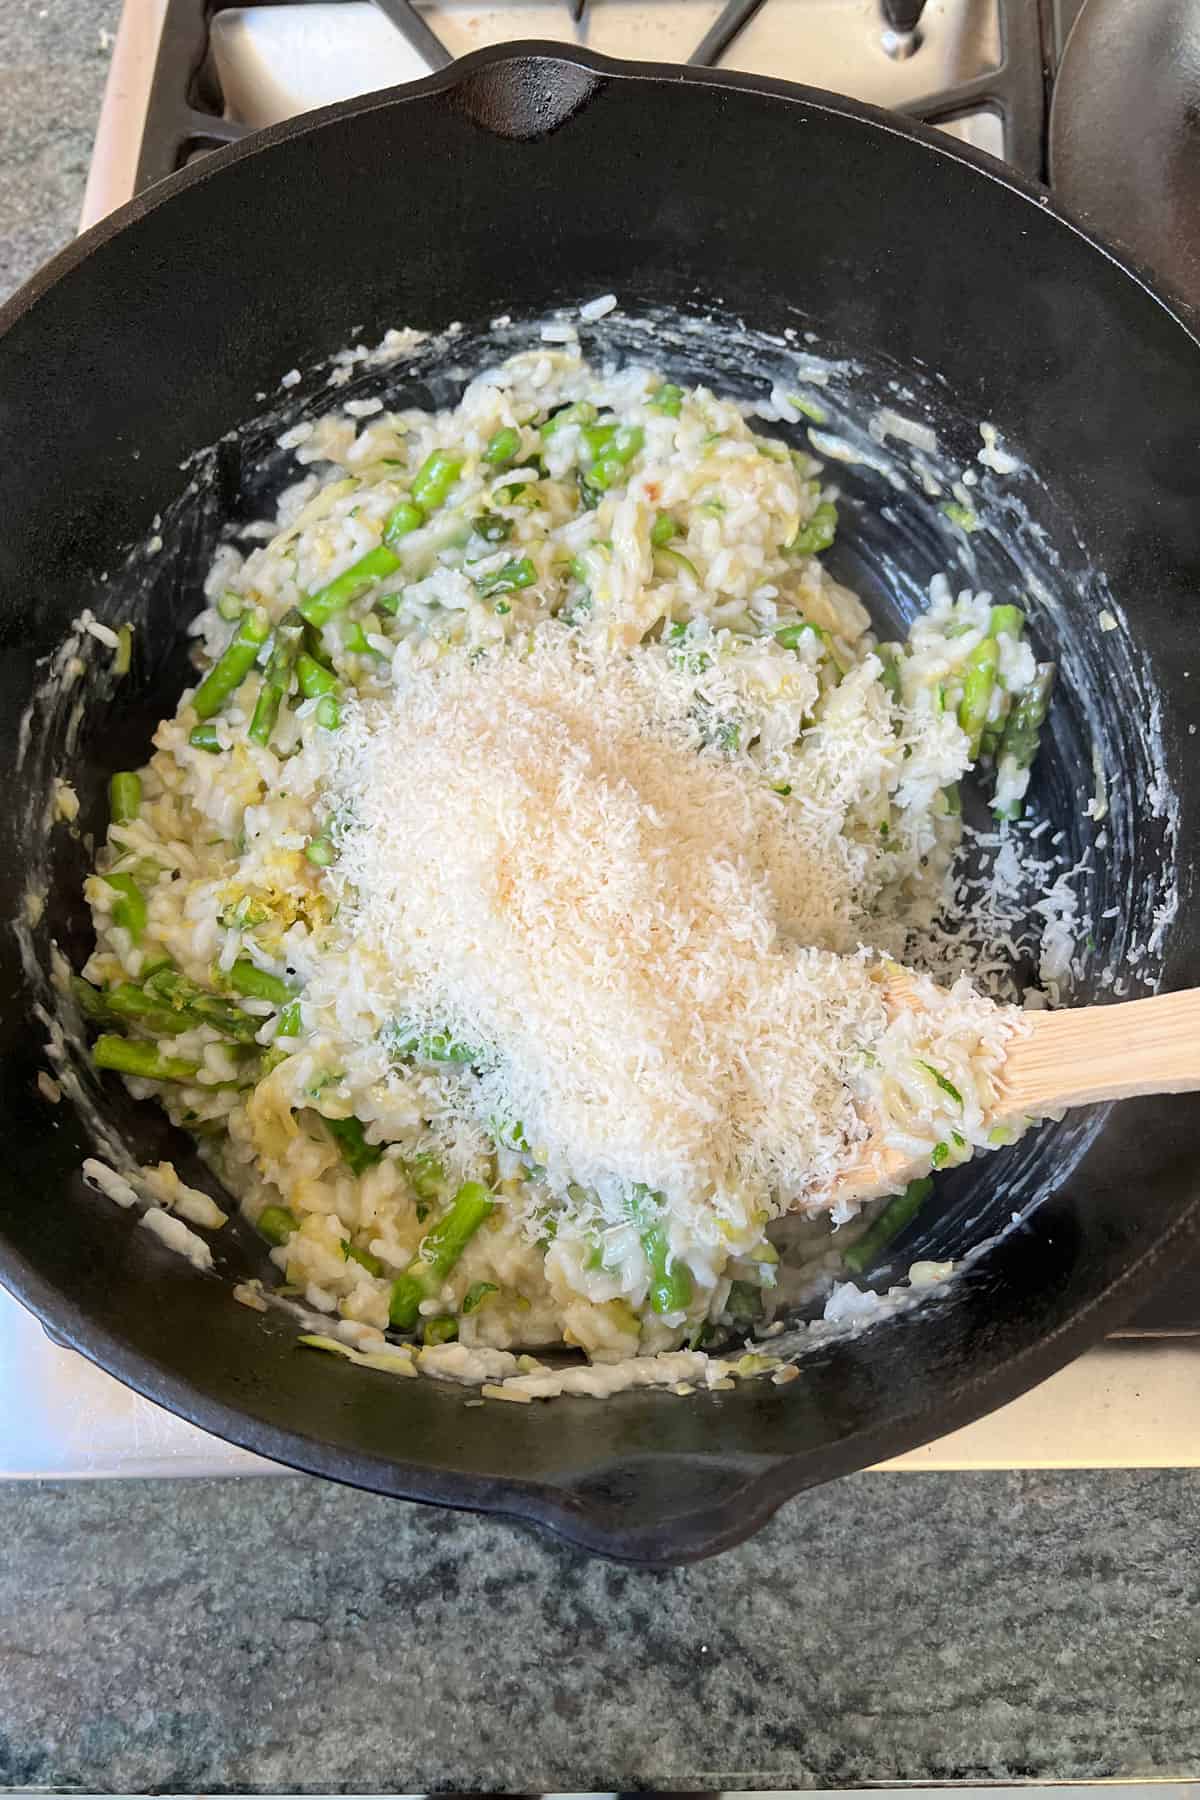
[{"x": 520, "y": 179}]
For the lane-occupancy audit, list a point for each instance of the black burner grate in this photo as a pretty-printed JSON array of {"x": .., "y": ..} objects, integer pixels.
[{"x": 185, "y": 116}]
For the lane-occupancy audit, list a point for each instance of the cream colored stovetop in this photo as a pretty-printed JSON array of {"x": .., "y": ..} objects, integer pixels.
[{"x": 1132, "y": 1404}]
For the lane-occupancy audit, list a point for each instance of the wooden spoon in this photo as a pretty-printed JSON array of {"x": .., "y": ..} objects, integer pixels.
[{"x": 1076, "y": 1057}]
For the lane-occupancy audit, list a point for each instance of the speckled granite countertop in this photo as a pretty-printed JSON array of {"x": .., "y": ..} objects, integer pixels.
[
  {"x": 285, "y": 1634},
  {"x": 291, "y": 1635},
  {"x": 53, "y": 62}
]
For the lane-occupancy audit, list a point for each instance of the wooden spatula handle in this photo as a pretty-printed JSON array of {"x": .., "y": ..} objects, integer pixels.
[{"x": 1090, "y": 1053}]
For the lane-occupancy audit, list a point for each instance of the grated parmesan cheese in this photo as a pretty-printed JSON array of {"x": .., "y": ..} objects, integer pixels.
[{"x": 660, "y": 963}]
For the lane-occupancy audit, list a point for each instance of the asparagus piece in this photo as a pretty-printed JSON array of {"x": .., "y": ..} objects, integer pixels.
[
  {"x": 613, "y": 448},
  {"x": 1008, "y": 620},
  {"x": 129, "y": 910},
  {"x": 322, "y": 685},
  {"x": 667, "y": 399},
  {"x": 670, "y": 1280},
  {"x": 128, "y": 1001},
  {"x": 366, "y": 1259},
  {"x": 978, "y": 683},
  {"x": 245, "y": 977},
  {"x": 403, "y": 518},
  {"x": 204, "y": 737},
  {"x": 291, "y": 1020},
  {"x": 1018, "y": 746},
  {"x": 900, "y": 1211},
  {"x": 442, "y": 1330},
  {"x": 90, "y": 1001},
  {"x": 337, "y": 594},
  {"x": 124, "y": 797},
  {"x": 817, "y": 533},
  {"x": 518, "y": 572},
  {"x": 277, "y": 677},
  {"x": 451, "y": 1235},
  {"x": 503, "y": 447},
  {"x": 792, "y": 636},
  {"x": 492, "y": 527},
  {"x": 132, "y": 1056},
  {"x": 314, "y": 678},
  {"x": 581, "y": 412},
  {"x": 234, "y": 663},
  {"x": 277, "y": 1223},
  {"x": 198, "y": 1006},
  {"x": 434, "y": 479},
  {"x": 439, "y": 1253}
]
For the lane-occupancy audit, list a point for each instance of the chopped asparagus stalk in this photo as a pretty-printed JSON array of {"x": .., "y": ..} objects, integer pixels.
[
  {"x": 366, "y": 1259},
  {"x": 128, "y": 1001},
  {"x": 667, "y": 399},
  {"x": 133, "y": 1056},
  {"x": 337, "y": 594},
  {"x": 196, "y": 1006},
  {"x": 234, "y": 663},
  {"x": 439, "y": 1253},
  {"x": 818, "y": 533},
  {"x": 1006, "y": 621},
  {"x": 320, "y": 852},
  {"x": 900, "y": 1211},
  {"x": 402, "y": 519},
  {"x": 276, "y": 1224},
  {"x": 1019, "y": 744},
  {"x": 435, "y": 478},
  {"x": 442, "y": 1330},
  {"x": 124, "y": 797},
  {"x": 277, "y": 677},
  {"x": 670, "y": 1280},
  {"x": 245, "y": 977},
  {"x": 503, "y": 447},
  {"x": 518, "y": 572},
  {"x": 978, "y": 685},
  {"x": 129, "y": 909}
]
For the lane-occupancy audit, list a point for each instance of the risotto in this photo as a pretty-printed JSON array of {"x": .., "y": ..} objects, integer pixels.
[{"x": 507, "y": 910}]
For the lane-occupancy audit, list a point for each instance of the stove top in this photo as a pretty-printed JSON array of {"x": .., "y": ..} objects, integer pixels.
[{"x": 189, "y": 75}]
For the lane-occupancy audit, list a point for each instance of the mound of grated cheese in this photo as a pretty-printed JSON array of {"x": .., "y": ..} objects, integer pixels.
[{"x": 538, "y": 857}]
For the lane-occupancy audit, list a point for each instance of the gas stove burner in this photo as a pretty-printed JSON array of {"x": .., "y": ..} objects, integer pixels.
[
  {"x": 976, "y": 69},
  {"x": 426, "y": 42},
  {"x": 900, "y": 20}
]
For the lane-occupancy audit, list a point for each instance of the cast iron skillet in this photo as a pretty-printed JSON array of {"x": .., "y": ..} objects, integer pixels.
[{"x": 520, "y": 179}]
